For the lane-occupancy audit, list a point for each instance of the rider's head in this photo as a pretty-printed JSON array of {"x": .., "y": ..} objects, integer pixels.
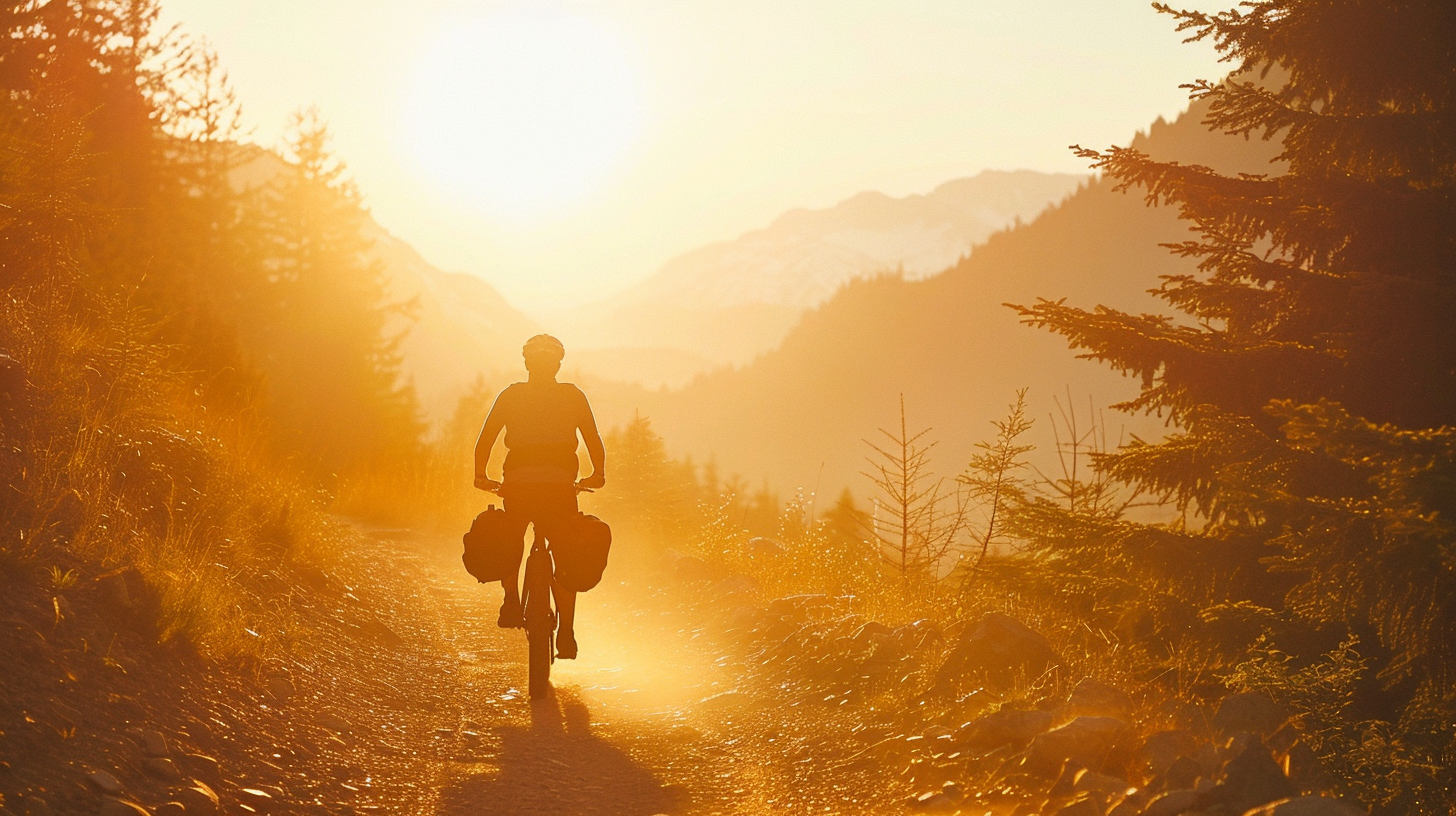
[{"x": 543, "y": 355}]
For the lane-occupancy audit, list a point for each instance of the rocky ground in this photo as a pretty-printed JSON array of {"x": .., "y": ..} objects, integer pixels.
[{"x": 694, "y": 694}]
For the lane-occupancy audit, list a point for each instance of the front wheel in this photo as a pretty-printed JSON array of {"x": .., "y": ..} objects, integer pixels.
[
  {"x": 540, "y": 621},
  {"x": 539, "y": 663}
]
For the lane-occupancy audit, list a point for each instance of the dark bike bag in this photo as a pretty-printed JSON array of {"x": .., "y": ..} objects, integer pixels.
[
  {"x": 490, "y": 555},
  {"x": 581, "y": 556}
]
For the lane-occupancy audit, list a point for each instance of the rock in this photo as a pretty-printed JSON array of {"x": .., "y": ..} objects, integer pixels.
[
  {"x": 1088, "y": 806},
  {"x": 1092, "y": 742},
  {"x": 203, "y": 767},
  {"x": 953, "y": 790},
  {"x": 1250, "y": 780},
  {"x": 1159, "y": 751},
  {"x": 1172, "y": 803},
  {"x": 114, "y": 591},
  {"x": 999, "y": 648},
  {"x": 1309, "y": 806},
  {"x": 153, "y": 743},
  {"x": 257, "y": 799},
  {"x": 121, "y": 807},
  {"x": 198, "y": 799},
  {"x": 934, "y": 802},
  {"x": 936, "y": 732},
  {"x": 162, "y": 768},
  {"x": 1007, "y": 727},
  {"x": 104, "y": 782},
  {"x": 1251, "y": 711},
  {"x": 170, "y": 809},
  {"x": 1306, "y": 770},
  {"x": 1093, "y": 782},
  {"x": 690, "y": 569},
  {"x": 764, "y": 548},
  {"x": 1093, "y": 698},
  {"x": 1183, "y": 773},
  {"x": 280, "y": 687}
]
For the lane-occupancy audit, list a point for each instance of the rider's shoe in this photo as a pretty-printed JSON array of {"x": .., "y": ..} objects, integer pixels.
[
  {"x": 565, "y": 646},
  {"x": 510, "y": 616}
]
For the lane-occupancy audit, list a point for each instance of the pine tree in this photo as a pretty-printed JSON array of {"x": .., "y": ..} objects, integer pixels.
[
  {"x": 917, "y": 520},
  {"x": 334, "y": 376},
  {"x": 1311, "y": 377}
]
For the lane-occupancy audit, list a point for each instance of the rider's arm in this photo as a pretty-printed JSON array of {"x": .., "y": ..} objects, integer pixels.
[
  {"x": 495, "y": 421},
  {"x": 594, "y": 447}
]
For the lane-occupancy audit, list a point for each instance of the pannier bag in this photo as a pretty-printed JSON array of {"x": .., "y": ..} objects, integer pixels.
[
  {"x": 488, "y": 547},
  {"x": 582, "y": 555}
]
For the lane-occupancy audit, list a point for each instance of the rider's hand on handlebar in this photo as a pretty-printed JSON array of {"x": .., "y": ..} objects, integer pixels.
[
  {"x": 596, "y": 481},
  {"x": 487, "y": 484}
]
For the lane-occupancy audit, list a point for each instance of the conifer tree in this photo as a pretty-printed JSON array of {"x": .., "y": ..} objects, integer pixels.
[
  {"x": 334, "y": 376},
  {"x": 1310, "y": 380}
]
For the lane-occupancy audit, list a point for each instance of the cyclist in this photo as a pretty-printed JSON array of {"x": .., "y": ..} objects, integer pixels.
[{"x": 541, "y": 419}]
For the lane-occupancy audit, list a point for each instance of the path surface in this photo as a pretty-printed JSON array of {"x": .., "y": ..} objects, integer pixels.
[{"x": 651, "y": 719}]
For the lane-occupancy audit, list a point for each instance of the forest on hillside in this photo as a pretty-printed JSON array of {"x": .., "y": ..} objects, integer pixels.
[{"x": 200, "y": 384}]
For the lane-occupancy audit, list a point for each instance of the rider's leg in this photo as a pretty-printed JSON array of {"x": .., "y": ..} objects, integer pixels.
[
  {"x": 510, "y": 611},
  {"x": 566, "y": 617}
]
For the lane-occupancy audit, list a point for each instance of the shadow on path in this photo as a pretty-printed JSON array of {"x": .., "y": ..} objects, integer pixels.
[{"x": 556, "y": 766}]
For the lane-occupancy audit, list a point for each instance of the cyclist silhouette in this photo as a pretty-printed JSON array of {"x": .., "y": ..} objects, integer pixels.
[{"x": 541, "y": 418}]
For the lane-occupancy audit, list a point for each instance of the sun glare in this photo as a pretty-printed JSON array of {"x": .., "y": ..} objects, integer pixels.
[{"x": 523, "y": 112}]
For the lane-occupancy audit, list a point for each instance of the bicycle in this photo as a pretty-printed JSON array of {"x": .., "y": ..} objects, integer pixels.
[{"x": 536, "y": 608}]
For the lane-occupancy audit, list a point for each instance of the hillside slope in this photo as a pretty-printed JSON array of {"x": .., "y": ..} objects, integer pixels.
[
  {"x": 947, "y": 343},
  {"x": 457, "y": 327},
  {"x": 728, "y": 302}
]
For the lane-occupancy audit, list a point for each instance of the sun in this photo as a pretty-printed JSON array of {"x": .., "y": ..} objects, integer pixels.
[{"x": 523, "y": 112}]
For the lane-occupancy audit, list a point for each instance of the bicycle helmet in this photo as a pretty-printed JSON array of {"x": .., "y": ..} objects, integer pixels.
[{"x": 545, "y": 345}]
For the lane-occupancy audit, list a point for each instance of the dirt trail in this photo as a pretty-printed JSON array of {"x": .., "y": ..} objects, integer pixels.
[{"x": 651, "y": 719}]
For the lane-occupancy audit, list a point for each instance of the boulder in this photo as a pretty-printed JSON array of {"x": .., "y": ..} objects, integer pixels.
[
  {"x": 1183, "y": 773},
  {"x": 1172, "y": 803},
  {"x": 1105, "y": 784},
  {"x": 1309, "y": 806},
  {"x": 153, "y": 743},
  {"x": 170, "y": 809},
  {"x": 1091, "y": 742},
  {"x": 1159, "y": 751},
  {"x": 1094, "y": 698},
  {"x": 1250, "y": 780},
  {"x": 1007, "y": 727},
  {"x": 104, "y": 782},
  {"x": 999, "y": 648},
  {"x": 1250, "y": 711},
  {"x": 161, "y": 768}
]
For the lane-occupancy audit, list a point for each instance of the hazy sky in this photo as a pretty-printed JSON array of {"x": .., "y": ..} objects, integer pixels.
[{"x": 666, "y": 125}]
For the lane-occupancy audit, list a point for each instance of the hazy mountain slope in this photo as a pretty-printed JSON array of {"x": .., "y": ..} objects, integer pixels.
[
  {"x": 947, "y": 342},
  {"x": 458, "y": 325},
  {"x": 730, "y": 301},
  {"x": 461, "y": 326}
]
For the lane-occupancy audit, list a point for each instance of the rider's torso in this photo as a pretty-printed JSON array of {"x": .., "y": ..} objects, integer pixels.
[{"x": 541, "y": 424}]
